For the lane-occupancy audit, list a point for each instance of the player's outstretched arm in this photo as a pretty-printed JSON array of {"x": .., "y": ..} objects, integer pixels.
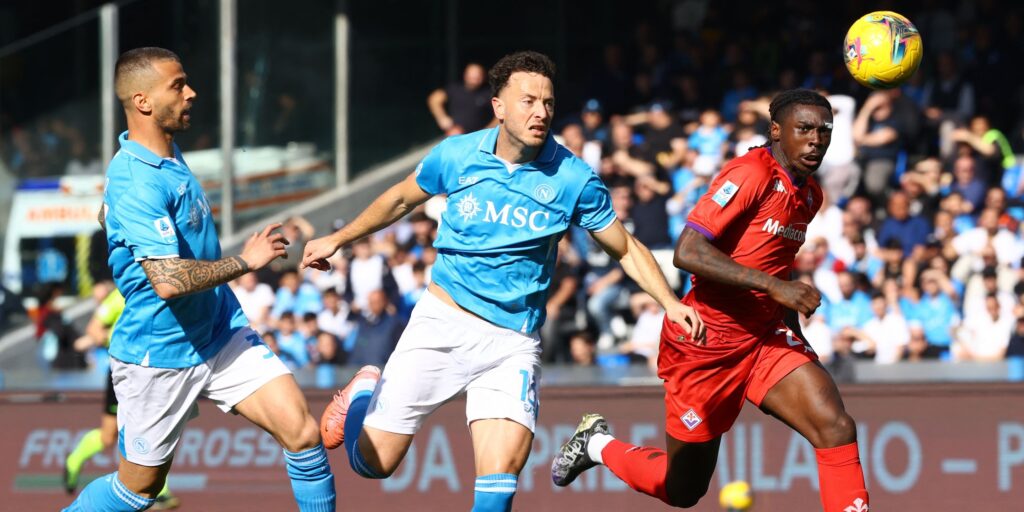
[
  {"x": 174, "y": 277},
  {"x": 392, "y": 205},
  {"x": 696, "y": 255},
  {"x": 639, "y": 265}
]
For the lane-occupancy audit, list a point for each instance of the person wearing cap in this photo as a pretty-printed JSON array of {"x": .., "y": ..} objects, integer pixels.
[{"x": 592, "y": 117}]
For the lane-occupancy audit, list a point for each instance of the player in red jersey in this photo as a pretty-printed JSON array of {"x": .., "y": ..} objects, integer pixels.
[{"x": 740, "y": 243}]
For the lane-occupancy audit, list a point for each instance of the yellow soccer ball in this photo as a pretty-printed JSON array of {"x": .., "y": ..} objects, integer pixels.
[
  {"x": 736, "y": 496},
  {"x": 882, "y": 49}
]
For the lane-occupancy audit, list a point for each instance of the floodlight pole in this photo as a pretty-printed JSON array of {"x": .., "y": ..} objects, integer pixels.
[
  {"x": 341, "y": 85},
  {"x": 109, "y": 49},
  {"x": 228, "y": 41}
]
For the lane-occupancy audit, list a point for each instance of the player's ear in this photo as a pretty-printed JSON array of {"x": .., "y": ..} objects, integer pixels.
[
  {"x": 142, "y": 103},
  {"x": 499, "y": 108},
  {"x": 775, "y": 131}
]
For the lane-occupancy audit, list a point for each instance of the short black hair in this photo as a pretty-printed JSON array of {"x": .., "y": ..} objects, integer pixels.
[
  {"x": 783, "y": 102},
  {"x": 134, "y": 62},
  {"x": 527, "y": 61}
]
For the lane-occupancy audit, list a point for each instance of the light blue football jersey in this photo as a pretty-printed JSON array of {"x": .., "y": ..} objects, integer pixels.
[
  {"x": 156, "y": 209},
  {"x": 499, "y": 234}
]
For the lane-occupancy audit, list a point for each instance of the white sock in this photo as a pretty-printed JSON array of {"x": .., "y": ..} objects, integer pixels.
[
  {"x": 362, "y": 385},
  {"x": 597, "y": 443}
]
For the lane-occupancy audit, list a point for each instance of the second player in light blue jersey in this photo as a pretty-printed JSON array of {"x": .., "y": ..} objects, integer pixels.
[
  {"x": 182, "y": 334},
  {"x": 512, "y": 194}
]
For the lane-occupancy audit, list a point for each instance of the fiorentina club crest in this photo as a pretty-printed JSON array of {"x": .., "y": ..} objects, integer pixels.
[{"x": 691, "y": 419}]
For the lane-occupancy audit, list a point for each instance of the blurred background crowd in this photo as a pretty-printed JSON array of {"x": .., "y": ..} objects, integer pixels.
[{"x": 917, "y": 251}]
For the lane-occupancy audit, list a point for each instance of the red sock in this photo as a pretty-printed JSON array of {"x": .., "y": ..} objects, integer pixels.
[
  {"x": 841, "y": 479},
  {"x": 643, "y": 468}
]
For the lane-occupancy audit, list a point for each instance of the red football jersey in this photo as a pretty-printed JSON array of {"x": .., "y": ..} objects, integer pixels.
[{"x": 757, "y": 214}]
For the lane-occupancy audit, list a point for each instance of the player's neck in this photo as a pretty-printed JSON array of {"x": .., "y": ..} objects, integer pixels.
[
  {"x": 151, "y": 137},
  {"x": 513, "y": 151}
]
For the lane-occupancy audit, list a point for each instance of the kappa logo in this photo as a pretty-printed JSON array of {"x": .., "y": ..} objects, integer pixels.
[
  {"x": 691, "y": 419},
  {"x": 544, "y": 193},
  {"x": 779, "y": 187},
  {"x": 725, "y": 193},
  {"x": 165, "y": 229}
]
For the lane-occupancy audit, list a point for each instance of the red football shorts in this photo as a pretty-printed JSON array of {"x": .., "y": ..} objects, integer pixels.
[{"x": 705, "y": 385}]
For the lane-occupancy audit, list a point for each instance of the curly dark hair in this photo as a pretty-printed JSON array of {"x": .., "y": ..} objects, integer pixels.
[
  {"x": 528, "y": 61},
  {"x": 783, "y": 102}
]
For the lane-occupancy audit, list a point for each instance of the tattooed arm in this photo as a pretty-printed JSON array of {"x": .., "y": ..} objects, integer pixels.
[
  {"x": 695, "y": 254},
  {"x": 174, "y": 277}
]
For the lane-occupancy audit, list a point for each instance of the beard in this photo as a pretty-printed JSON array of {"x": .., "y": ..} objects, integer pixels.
[{"x": 171, "y": 121}]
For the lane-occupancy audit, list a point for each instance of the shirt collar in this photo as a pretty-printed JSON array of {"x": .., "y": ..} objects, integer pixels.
[
  {"x": 144, "y": 154},
  {"x": 545, "y": 156}
]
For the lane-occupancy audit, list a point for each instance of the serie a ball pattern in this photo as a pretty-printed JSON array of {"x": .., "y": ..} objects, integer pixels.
[{"x": 882, "y": 49}]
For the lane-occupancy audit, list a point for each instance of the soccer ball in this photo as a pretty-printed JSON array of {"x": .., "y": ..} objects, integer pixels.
[
  {"x": 736, "y": 496},
  {"x": 882, "y": 49}
]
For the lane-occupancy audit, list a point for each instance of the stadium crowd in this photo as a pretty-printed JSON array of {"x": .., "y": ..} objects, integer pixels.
[{"x": 917, "y": 251}]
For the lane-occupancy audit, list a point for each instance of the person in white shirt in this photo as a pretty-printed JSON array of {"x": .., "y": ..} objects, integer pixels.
[
  {"x": 988, "y": 232},
  {"x": 986, "y": 338},
  {"x": 256, "y": 299},
  {"x": 886, "y": 334},
  {"x": 333, "y": 318}
]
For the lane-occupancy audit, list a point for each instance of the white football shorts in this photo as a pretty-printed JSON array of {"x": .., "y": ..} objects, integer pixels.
[
  {"x": 445, "y": 351},
  {"x": 155, "y": 403}
]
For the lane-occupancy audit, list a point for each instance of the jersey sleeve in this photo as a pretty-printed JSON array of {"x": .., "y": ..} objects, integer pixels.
[
  {"x": 594, "y": 210},
  {"x": 146, "y": 223},
  {"x": 732, "y": 194},
  {"x": 430, "y": 171}
]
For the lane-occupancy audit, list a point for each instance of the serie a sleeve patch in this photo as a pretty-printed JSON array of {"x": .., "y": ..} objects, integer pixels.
[{"x": 725, "y": 193}]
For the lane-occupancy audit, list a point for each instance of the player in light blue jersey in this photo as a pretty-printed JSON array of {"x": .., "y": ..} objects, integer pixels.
[
  {"x": 182, "y": 334},
  {"x": 512, "y": 194}
]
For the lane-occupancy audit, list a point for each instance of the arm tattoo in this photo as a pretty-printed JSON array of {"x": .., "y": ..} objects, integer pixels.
[
  {"x": 190, "y": 276},
  {"x": 696, "y": 255}
]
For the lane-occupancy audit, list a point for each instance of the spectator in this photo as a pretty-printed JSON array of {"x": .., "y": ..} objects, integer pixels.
[
  {"x": 839, "y": 173},
  {"x": 333, "y": 318},
  {"x": 290, "y": 343},
  {"x": 886, "y": 334},
  {"x": 665, "y": 139},
  {"x": 936, "y": 312},
  {"x": 296, "y": 231},
  {"x": 643, "y": 341},
  {"x": 710, "y": 139},
  {"x": 740, "y": 91},
  {"x": 852, "y": 309},
  {"x": 594, "y": 127},
  {"x": 412, "y": 296},
  {"x": 326, "y": 352},
  {"x": 574, "y": 140},
  {"x": 911, "y": 230},
  {"x": 688, "y": 184},
  {"x": 583, "y": 349},
  {"x": 982, "y": 285},
  {"x": 367, "y": 272},
  {"x": 561, "y": 307},
  {"x": 650, "y": 223},
  {"x": 988, "y": 233},
  {"x": 876, "y": 134},
  {"x": 624, "y": 159},
  {"x": 295, "y": 296},
  {"x": 604, "y": 280},
  {"x": 967, "y": 183},
  {"x": 989, "y": 143},
  {"x": 985, "y": 337},
  {"x": 256, "y": 299},
  {"x": 375, "y": 334},
  {"x": 463, "y": 107},
  {"x": 918, "y": 348},
  {"x": 948, "y": 100}
]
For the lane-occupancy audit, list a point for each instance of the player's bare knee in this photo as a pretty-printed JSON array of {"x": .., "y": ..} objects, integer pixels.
[
  {"x": 303, "y": 436},
  {"x": 836, "y": 430}
]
